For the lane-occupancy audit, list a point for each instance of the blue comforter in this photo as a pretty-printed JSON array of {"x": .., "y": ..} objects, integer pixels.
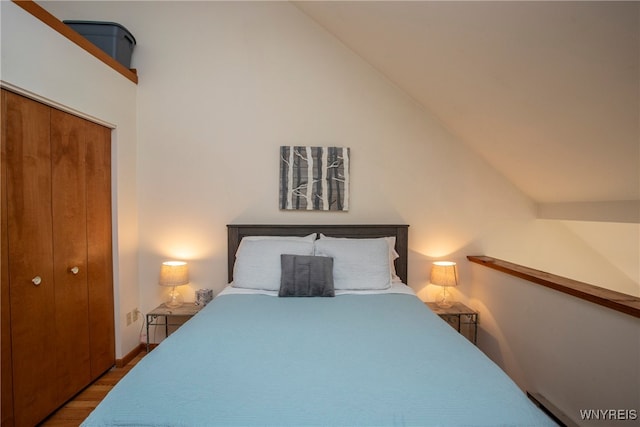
[{"x": 352, "y": 360}]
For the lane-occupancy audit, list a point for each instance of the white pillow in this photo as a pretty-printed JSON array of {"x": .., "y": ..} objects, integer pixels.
[
  {"x": 393, "y": 255},
  {"x": 358, "y": 264},
  {"x": 309, "y": 238},
  {"x": 258, "y": 264}
]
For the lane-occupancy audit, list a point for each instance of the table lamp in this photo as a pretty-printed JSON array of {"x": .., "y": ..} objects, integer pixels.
[
  {"x": 174, "y": 273},
  {"x": 443, "y": 273}
]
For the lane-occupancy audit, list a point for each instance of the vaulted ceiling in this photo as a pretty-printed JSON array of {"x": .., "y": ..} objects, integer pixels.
[{"x": 547, "y": 92}]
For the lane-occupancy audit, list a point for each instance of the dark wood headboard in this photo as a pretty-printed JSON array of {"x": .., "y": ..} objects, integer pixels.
[{"x": 236, "y": 232}]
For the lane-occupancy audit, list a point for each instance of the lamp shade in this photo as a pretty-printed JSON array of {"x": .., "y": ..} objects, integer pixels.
[
  {"x": 174, "y": 273},
  {"x": 443, "y": 273}
]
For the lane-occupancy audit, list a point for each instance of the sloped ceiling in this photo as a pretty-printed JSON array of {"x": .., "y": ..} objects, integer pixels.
[{"x": 547, "y": 92}]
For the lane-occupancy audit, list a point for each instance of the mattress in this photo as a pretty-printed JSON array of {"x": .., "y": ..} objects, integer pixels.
[{"x": 352, "y": 360}]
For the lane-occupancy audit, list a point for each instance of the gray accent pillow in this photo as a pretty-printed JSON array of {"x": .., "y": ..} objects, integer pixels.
[{"x": 306, "y": 276}]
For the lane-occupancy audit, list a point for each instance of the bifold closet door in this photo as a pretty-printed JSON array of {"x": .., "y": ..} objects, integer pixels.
[
  {"x": 81, "y": 153},
  {"x": 6, "y": 393},
  {"x": 57, "y": 269},
  {"x": 30, "y": 266},
  {"x": 99, "y": 253},
  {"x": 70, "y": 266}
]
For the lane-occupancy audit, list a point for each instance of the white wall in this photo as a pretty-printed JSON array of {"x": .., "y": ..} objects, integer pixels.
[
  {"x": 604, "y": 254},
  {"x": 223, "y": 85},
  {"x": 577, "y": 354},
  {"x": 37, "y": 59},
  {"x": 617, "y": 244}
]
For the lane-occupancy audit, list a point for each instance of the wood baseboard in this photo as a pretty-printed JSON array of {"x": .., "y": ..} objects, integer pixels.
[{"x": 120, "y": 363}]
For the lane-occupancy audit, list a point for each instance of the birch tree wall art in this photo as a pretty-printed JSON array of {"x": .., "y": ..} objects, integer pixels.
[{"x": 314, "y": 178}]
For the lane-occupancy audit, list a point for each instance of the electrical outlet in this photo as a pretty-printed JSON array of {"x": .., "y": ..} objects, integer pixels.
[
  {"x": 136, "y": 314},
  {"x": 128, "y": 318}
]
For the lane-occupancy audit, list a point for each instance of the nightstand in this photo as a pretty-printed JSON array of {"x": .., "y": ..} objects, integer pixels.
[
  {"x": 171, "y": 316},
  {"x": 460, "y": 317}
]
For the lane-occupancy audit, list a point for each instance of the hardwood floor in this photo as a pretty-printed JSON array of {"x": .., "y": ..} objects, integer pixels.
[{"x": 76, "y": 410}]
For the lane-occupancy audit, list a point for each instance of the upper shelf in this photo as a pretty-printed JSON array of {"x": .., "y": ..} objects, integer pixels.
[
  {"x": 623, "y": 303},
  {"x": 53, "y": 22}
]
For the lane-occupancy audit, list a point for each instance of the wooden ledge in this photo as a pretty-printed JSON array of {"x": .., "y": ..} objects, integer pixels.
[
  {"x": 618, "y": 301},
  {"x": 37, "y": 11}
]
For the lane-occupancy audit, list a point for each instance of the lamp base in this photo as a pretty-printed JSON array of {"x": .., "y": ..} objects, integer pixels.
[
  {"x": 445, "y": 300},
  {"x": 444, "y": 304},
  {"x": 175, "y": 299}
]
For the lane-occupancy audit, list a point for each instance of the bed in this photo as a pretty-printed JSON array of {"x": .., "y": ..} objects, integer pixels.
[{"x": 362, "y": 357}]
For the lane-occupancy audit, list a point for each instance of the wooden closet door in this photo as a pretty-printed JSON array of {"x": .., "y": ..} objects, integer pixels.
[
  {"x": 30, "y": 244},
  {"x": 100, "y": 268},
  {"x": 68, "y": 170},
  {"x": 6, "y": 393}
]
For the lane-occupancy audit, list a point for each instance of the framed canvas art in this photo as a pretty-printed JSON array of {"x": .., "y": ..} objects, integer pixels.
[{"x": 314, "y": 178}]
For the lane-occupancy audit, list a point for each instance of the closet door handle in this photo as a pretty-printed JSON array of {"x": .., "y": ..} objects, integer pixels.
[
  {"x": 74, "y": 270},
  {"x": 36, "y": 281}
]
